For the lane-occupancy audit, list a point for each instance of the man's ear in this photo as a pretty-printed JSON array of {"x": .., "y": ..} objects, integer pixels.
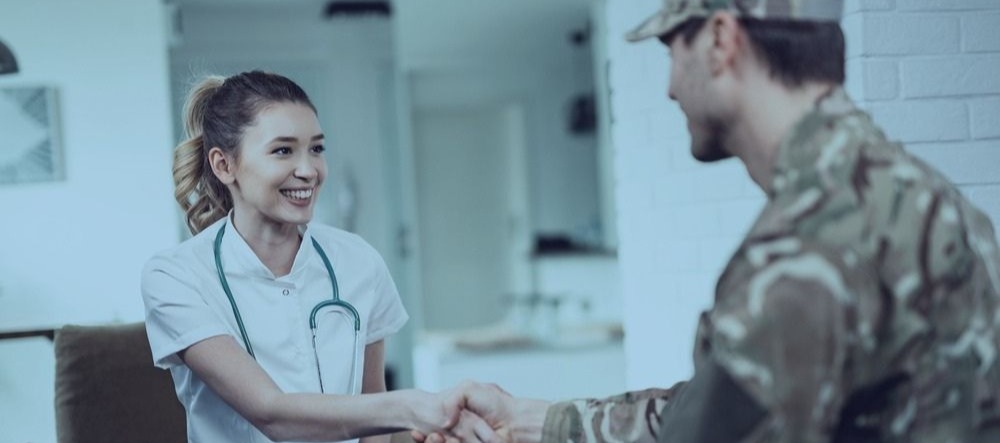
[
  {"x": 727, "y": 41},
  {"x": 222, "y": 165}
]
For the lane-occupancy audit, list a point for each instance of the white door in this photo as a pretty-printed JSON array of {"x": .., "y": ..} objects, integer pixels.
[{"x": 472, "y": 208}]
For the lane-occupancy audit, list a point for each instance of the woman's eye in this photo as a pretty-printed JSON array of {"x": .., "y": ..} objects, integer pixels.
[
  {"x": 318, "y": 149},
  {"x": 284, "y": 150}
]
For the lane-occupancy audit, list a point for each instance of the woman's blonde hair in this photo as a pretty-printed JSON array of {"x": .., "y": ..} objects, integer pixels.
[{"x": 216, "y": 113}]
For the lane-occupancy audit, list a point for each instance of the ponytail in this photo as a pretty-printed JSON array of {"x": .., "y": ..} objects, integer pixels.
[
  {"x": 202, "y": 197},
  {"x": 216, "y": 112}
]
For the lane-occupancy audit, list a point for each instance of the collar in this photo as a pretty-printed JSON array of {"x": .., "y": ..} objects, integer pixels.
[
  {"x": 239, "y": 259},
  {"x": 813, "y": 141}
]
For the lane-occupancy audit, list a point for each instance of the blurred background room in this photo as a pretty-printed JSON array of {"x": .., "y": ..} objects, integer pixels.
[{"x": 516, "y": 163}]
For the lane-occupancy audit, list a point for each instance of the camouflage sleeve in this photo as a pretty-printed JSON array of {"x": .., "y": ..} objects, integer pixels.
[
  {"x": 629, "y": 417},
  {"x": 784, "y": 329}
]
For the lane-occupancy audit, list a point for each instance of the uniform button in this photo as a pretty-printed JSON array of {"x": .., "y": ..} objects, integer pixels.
[{"x": 285, "y": 292}]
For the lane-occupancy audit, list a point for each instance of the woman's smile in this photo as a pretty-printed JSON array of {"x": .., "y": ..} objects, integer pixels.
[{"x": 298, "y": 196}]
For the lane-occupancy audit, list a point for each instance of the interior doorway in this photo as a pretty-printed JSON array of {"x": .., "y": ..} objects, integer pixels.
[{"x": 472, "y": 213}]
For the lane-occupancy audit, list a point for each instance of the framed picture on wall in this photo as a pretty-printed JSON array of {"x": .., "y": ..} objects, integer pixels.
[{"x": 30, "y": 147}]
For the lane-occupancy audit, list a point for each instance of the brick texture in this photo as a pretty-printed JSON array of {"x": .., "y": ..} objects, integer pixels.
[{"x": 928, "y": 70}]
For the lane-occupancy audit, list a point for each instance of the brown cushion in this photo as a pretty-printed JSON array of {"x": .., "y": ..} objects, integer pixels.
[{"x": 107, "y": 389}]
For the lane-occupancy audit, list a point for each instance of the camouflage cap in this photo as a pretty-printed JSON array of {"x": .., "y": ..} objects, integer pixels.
[{"x": 676, "y": 12}]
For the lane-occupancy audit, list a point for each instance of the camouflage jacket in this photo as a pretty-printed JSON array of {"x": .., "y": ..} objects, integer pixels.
[{"x": 863, "y": 305}]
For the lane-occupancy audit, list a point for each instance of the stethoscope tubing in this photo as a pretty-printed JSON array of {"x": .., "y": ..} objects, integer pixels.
[{"x": 346, "y": 309}]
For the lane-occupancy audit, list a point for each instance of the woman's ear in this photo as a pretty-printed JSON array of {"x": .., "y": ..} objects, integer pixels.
[
  {"x": 727, "y": 41},
  {"x": 222, "y": 165}
]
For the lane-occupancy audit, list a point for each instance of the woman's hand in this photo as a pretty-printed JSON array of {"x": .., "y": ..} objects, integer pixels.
[
  {"x": 435, "y": 411},
  {"x": 485, "y": 411},
  {"x": 445, "y": 416}
]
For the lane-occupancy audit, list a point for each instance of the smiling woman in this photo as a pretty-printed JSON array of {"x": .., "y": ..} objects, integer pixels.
[
  {"x": 258, "y": 348},
  {"x": 280, "y": 167},
  {"x": 217, "y": 113}
]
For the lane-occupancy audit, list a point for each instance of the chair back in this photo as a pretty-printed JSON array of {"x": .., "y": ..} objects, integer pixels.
[{"x": 107, "y": 389}]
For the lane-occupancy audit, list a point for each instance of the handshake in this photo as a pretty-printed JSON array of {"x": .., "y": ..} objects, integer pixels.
[{"x": 478, "y": 413}]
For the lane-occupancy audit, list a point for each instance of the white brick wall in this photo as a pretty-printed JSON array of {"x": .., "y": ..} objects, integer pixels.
[
  {"x": 678, "y": 220},
  {"x": 931, "y": 78},
  {"x": 928, "y": 70},
  {"x": 976, "y": 32}
]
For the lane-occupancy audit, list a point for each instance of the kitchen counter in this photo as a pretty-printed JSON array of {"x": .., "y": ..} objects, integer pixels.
[{"x": 585, "y": 361}]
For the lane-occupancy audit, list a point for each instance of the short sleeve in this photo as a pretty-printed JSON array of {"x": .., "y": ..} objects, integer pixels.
[
  {"x": 388, "y": 314},
  {"x": 176, "y": 314}
]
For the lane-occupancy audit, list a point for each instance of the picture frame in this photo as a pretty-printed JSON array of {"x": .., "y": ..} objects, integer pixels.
[{"x": 31, "y": 147}]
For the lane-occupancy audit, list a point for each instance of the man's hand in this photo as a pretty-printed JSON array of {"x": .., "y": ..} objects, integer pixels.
[
  {"x": 447, "y": 418},
  {"x": 508, "y": 419}
]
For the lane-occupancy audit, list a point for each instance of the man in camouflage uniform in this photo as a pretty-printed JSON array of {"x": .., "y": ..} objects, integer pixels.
[{"x": 863, "y": 305}]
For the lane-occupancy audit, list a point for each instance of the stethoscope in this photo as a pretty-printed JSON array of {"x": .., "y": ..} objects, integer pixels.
[{"x": 335, "y": 302}]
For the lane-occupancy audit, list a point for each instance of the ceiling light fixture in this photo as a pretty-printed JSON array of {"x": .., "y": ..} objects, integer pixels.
[{"x": 348, "y": 8}]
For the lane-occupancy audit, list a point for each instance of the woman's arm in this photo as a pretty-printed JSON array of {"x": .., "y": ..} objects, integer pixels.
[
  {"x": 374, "y": 380},
  {"x": 242, "y": 383}
]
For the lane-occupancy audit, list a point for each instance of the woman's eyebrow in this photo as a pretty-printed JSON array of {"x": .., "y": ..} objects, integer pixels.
[{"x": 295, "y": 140}]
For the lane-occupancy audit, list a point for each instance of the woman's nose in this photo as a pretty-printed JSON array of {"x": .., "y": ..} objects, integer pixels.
[{"x": 306, "y": 169}]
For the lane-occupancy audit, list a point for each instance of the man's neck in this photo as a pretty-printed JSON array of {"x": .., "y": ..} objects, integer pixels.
[{"x": 770, "y": 111}]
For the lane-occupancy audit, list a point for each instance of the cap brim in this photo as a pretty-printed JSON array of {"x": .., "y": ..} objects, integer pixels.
[{"x": 657, "y": 25}]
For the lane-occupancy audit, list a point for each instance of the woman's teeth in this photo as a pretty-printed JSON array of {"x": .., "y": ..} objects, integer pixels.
[{"x": 298, "y": 194}]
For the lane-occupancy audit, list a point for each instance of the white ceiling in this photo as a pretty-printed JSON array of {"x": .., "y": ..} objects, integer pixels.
[
  {"x": 460, "y": 33},
  {"x": 473, "y": 32}
]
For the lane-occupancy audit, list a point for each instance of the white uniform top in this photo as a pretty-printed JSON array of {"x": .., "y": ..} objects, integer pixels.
[{"x": 185, "y": 303}]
